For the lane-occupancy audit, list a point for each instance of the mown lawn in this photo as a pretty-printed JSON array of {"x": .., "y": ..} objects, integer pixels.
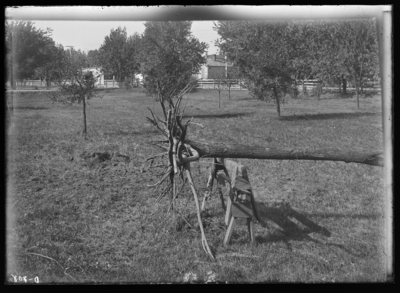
[{"x": 72, "y": 219}]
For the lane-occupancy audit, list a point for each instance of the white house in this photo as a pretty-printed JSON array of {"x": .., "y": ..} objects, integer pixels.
[
  {"x": 98, "y": 73},
  {"x": 139, "y": 77}
]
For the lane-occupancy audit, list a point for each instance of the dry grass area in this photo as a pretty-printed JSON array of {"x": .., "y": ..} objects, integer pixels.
[{"x": 73, "y": 218}]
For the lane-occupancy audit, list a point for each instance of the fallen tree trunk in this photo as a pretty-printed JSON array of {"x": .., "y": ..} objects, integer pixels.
[
  {"x": 238, "y": 151},
  {"x": 181, "y": 151}
]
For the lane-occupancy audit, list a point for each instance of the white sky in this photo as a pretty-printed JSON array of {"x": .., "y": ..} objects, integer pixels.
[
  {"x": 85, "y": 27},
  {"x": 89, "y": 35}
]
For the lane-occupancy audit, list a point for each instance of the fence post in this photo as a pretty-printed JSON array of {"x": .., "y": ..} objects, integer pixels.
[{"x": 12, "y": 101}]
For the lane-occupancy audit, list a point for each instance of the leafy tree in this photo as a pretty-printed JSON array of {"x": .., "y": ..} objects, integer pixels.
[
  {"x": 220, "y": 82},
  {"x": 170, "y": 55},
  {"x": 111, "y": 53},
  {"x": 358, "y": 49},
  {"x": 327, "y": 64},
  {"x": 56, "y": 65},
  {"x": 231, "y": 78},
  {"x": 118, "y": 54},
  {"x": 93, "y": 58},
  {"x": 331, "y": 50},
  {"x": 33, "y": 48},
  {"x": 261, "y": 51},
  {"x": 132, "y": 49},
  {"x": 79, "y": 58},
  {"x": 76, "y": 86}
]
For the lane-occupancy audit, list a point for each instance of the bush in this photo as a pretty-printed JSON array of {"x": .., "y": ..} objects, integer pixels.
[
  {"x": 317, "y": 90},
  {"x": 192, "y": 79},
  {"x": 294, "y": 92}
]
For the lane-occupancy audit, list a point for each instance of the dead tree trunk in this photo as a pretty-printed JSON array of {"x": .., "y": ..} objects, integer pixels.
[{"x": 237, "y": 151}]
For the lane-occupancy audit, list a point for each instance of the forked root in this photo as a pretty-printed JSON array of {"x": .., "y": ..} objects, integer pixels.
[{"x": 204, "y": 242}]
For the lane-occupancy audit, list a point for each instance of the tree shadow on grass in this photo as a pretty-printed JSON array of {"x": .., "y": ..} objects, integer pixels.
[
  {"x": 338, "y": 216},
  {"x": 223, "y": 115},
  {"x": 245, "y": 99},
  {"x": 285, "y": 217},
  {"x": 30, "y": 108},
  {"x": 133, "y": 133},
  {"x": 327, "y": 116}
]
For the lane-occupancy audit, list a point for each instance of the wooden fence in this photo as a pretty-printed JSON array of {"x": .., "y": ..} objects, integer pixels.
[
  {"x": 33, "y": 83},
  {"x": 213, "y": 84},
  {"x": 310, "y": 85},
  {"x": 210, "y": 84},
  {"x": 110, "y": 83},
  {"x": 42, "y": 83}
]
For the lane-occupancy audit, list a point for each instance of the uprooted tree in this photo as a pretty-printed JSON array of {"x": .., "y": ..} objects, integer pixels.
[{"x": 181, "y": 151}]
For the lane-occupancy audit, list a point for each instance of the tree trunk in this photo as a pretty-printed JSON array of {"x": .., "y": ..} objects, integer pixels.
[
  {"x": 278, "y": 107},
  {"x": 278, "y": 102},
  {"x": 344, "y": 82},
  {"x": 269, "y": 153},
  {"x": 219, "y": 99},
  {"x": 356, "y": 84},
  {"x": 357, "y": 97},
  {"x": 84, "y": 117}
]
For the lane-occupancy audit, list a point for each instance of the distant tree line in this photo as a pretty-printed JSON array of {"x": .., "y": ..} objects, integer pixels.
[
  {"x": 273, "y": 55},
  {"x": 269, "y": 55},
  {"x": 31, "y": 53},
  {"x": 166, "y": 52}
]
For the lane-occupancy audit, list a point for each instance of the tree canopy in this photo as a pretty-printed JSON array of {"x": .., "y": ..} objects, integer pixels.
[
  {"x": 54, "y": 68},
  {"x": 263, "y": 53},
  {"x": 272, "y": 54},
  {"x": 34, "y": 50},
  {"x": 118, "y": 54},
  {"x": 170, "y": 55},
  {"x": 93, "y": 58}
]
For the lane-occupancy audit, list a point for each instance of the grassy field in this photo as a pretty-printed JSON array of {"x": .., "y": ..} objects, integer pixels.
[{"x": 73, "y": 219}]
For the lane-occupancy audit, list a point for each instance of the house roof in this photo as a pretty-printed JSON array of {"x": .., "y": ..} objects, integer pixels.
[
  {"x": 92, "y": 69},
  {"x": 217, "y": 60}
]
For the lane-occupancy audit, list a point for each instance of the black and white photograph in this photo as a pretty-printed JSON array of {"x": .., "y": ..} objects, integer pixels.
[{"x": 198, "y": 144}]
